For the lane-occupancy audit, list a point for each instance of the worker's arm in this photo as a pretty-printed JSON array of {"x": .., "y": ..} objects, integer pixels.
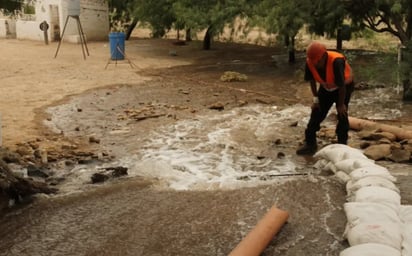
[
  {"x": 339, "y": 72},
  {"x": 313, "y": 86}
]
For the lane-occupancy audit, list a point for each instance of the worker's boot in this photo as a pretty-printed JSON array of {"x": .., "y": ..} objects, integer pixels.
[{"x": 307, "y": 149}]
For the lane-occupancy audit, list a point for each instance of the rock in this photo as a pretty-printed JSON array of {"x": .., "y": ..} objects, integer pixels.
[
  {"x": 9, "y": 156},
  {"x": 117, "y": 171},
  {"x": 281, "y": 155},
  {"x": 109, "y": 172},
  {"x": 378, "y": 152},
  {"x": 217, "y": 106},
  {"x": 400, "y": 156},
  {"x": 93, "y": 139},
  {"x": 294, "y": 124},
  {"x": 99, "y": 177},
  {"x": 34, "y": 171},
  {"x": 19, "y": 188},
  {"x": 376, "y": 135},
  {"x": 24, "y": 150}
]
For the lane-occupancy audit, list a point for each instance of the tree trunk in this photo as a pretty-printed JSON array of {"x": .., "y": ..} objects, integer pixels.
[
  {"x": 291, "y": 50},
  {"x": 339, "y": 40},
  {"x": 207, "y": 39},
  {"x": 290, "y": 44},
  {"x": 405, "y": 70},
  {"x": 407, "y": 90},
  {"x": 188, "y": 35},
  {"x": 130, "y": 28}
]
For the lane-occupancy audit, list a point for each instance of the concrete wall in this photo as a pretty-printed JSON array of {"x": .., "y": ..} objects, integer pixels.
[
  {"x": 7, "y": 28},
  {"x": 28, "y": 30}
]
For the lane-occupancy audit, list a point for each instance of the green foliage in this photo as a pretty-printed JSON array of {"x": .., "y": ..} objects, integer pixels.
[
  {"x": 120, "y": 14},
  {"x": 325, "y": 17},
  {"x": 9, "y": 6},
  {"x": 391, "y": 16},
  {"x": 374, "y": 67},
  {"x": 158, "y": 13},
  {"x": 29, "y": 9}
]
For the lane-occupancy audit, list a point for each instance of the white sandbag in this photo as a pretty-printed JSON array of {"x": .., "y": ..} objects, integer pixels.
[
  {"x": 325, "y": 165},
  {"x": 373, "y": 170},
  {"x": 370, "y": 249},
  {"x": 339, "y": 152},
  {"x": 377, "y": 181},
  {"x": 405, "y": 214},
  {"x": 343, "y": 177},
  {"x": 363, "y": 212},
  {"x": 386, "y": 233},
  {"x": 407, "y": 239},
  {"x": 380, "y": 195},
  {"x": 348, "y": 165}
]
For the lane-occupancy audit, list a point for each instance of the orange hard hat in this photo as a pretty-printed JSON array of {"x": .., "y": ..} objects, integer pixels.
[{"x": 315, "y": 52}]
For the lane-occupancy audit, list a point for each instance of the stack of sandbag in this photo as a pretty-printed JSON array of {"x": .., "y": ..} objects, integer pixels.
[{"x": 377, "y": 223}]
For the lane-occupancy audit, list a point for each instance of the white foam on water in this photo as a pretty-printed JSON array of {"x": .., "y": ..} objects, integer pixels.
[
  {"x": 217, "y": 151},
  {"x": 213, "y": 151}
]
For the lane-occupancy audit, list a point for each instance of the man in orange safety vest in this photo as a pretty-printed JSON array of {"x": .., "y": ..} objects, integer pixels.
[{"x": 332, "y": 72}]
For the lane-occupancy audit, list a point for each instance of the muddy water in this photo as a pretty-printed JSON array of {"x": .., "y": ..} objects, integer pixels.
[
  {"x": 133, "y": 218},
  {"x": 196, "y": 187}
]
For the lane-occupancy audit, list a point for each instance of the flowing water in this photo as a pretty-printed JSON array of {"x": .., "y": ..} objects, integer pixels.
[{"x": 196, "y": 187}]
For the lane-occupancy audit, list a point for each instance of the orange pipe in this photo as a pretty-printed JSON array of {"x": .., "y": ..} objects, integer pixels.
[{"x": 260, "y": 236}]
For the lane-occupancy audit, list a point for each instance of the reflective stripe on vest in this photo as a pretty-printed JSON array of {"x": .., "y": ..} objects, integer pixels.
[{"x": 329, "y": 84}]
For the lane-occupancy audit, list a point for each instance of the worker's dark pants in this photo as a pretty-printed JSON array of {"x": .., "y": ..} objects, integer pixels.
[{"x": 326, "y": 100}]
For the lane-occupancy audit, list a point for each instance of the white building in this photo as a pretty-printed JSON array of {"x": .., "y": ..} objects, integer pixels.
[{"x": 94, "y": 19}]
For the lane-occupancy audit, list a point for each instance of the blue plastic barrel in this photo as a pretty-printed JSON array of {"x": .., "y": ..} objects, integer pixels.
[{"x": 117, "y": 48}]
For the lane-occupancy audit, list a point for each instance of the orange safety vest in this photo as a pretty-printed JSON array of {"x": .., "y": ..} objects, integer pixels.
[{"x": 329, "y": 84}]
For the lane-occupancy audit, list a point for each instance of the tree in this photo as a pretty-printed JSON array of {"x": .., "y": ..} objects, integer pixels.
[
  {"x": 284, "y": 18},
  {"x": 390, "y": 16},
  {"x": 211, "y": 16},
  {"x": 326, "y": 18},
  {"x": 9, "y": 6},
  {"x": 158, "y": 13},
  {"x": 122, "y": 16}
]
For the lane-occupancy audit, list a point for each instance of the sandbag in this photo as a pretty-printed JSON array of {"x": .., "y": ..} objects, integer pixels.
[
  {"x": 374, "y": 170},
  {"x": 339, "y": 152},
  {"x": 370, "y": 249},
  {"x": 325, "y": 165},
  {"x": 363, "y": 212},
  {"x": 385, "y": 233},
  {"x": 405, "y": 214},
  {"x": 377, "y": 181},
  {"x": 407, "y": 239},
  {"x": 348, "y": 165},
  {"x": 380, "y": 195},
  {"x": 343, "y": 177}
]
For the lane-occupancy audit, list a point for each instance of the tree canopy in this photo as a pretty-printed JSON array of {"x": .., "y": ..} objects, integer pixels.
[
  {"x": 392, "y": 16},
  {"x": 9, "y": 6}
]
